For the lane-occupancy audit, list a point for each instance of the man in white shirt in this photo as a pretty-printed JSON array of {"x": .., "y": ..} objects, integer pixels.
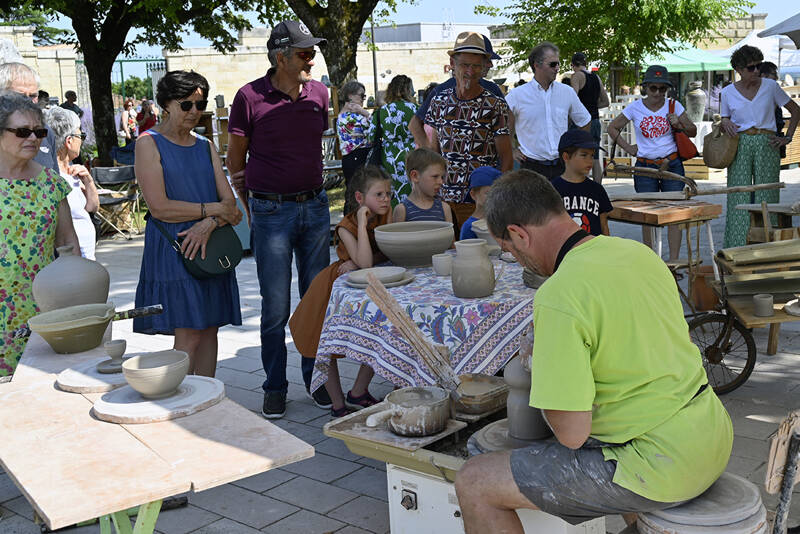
[{"x": 541, "y": 111}]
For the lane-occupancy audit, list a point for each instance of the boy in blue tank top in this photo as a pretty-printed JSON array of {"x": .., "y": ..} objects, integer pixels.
[
  {"x": 426, "y": 170},
  {"x": 480, "y": 181},
  {"x": 585, "y": 200}
]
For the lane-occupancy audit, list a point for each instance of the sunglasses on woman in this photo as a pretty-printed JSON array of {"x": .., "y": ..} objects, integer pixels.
[
  {"x": 658, "y": 89},
  {"x": 24, "y": 133},
  {"x": 753, "y": 68},
  {"x": 306, "y": 55},
  {"x": 186, "y": 105}
]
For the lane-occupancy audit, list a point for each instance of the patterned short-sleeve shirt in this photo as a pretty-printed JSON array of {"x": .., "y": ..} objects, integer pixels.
[{"x": 467, "y": 130}]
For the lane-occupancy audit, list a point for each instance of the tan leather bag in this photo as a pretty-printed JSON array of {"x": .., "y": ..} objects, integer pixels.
[{"x": 719, "y": 149}]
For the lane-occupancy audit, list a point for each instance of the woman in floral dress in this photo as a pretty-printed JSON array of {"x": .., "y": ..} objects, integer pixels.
[
  {"x": 352, "y": 126},
  {"x": 397, "y": 140},
  {"x": 34, "y": 219}
]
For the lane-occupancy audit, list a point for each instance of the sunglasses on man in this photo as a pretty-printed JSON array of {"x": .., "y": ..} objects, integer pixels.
[
  {"x": 753, "y": 68},
  {"x": 552, "y": 64},
  {"x": 186, "y": 105},
  {"x": 24, "y": 133},
  {"x": 306, "y": 55}
]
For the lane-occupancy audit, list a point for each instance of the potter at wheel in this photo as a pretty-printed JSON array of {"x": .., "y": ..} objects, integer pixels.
[
  {"x": 85, "y": 378},
  {"x": 125, "y": 405}
]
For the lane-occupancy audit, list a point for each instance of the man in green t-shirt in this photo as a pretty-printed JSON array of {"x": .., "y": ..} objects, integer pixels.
[{"x": 613, "y": 370}]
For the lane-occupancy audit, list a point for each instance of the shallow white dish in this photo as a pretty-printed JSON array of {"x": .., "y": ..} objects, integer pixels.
[
  {"x": 384, "y": 274},
  {"x": 407, "y": 278},
  {"x": 792, "y": 307}
]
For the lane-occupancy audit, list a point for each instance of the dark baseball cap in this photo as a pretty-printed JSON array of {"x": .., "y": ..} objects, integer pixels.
[
  {"x": 292, "y": 33},
  {"x": 579, "y": 58},
  {"x": 577, "y": 138},
  {"x": 488, "y": 44}
]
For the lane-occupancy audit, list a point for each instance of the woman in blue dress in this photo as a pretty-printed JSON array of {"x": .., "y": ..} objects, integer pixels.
[{"x": 181, "y": 177}]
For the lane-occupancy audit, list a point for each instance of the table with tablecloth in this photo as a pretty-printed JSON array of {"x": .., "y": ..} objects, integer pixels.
[{"x": 482, "y": 333}]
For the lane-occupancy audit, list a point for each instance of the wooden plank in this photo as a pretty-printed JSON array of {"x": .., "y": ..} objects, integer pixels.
[
  {"x": 729, "y": 267},
  {"x": 72, "y": 467},
  {"x": 743, "y": 308},
  {"x": 39, "y": 361},
  {"x": 660, "y": 213},
  {"x": 220, "y": 444}
]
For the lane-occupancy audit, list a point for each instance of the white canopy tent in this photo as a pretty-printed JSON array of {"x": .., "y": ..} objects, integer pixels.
[
  {"x": 778, "y": 49},
  {"x": 789, "y": 27}
]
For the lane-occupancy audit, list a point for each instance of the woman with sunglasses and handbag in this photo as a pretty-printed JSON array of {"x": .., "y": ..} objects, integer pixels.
[
  {"x": 181, "y": 177},
  {"x": 34, "y": 219},
  {"x": 748, "y": 109},
  {"x": 83, "y": 199},
  {"x": 655, "y": 118}
]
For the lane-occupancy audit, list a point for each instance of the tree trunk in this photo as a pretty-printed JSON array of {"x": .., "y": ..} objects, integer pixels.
[
  {"x": 340, "y": 56},
  {"x": 105, "y": 130}
]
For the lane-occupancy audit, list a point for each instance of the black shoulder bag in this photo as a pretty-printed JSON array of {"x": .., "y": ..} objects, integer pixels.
[{"x": 223, "y": 249}]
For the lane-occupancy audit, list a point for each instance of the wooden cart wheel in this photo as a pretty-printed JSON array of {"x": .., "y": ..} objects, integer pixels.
[{"x": 728, "y": 357}]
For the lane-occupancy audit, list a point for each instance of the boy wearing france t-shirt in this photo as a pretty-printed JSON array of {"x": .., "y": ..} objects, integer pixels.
[{"x": 584, "y": 199}]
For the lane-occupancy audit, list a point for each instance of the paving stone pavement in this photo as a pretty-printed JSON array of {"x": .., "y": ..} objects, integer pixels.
[{"x": 338, "y": 491}]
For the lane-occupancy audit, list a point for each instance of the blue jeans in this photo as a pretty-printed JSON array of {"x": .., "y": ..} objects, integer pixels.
[
  {"x": 279, "y": 230},
  {"x": 646, "y": 184}
]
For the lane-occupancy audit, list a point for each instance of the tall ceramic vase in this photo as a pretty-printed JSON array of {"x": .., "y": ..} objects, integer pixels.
[
  {"x": 524, "y": 421},
  {"x": 695, "y": 102},
  {"x": 472, "y": 272},
  {"x": 70, "y": 280}
]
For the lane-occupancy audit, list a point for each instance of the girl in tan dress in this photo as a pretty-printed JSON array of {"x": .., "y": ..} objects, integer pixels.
[{"x": 356, "y": 249}]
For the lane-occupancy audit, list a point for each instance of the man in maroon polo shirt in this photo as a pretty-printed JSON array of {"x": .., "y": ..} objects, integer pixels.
[{"x": 277, "y": 121}]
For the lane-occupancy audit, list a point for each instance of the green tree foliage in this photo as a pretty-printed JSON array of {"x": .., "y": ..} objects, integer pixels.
[
  {"x": 102, "y": 33},
  {"x": 134, "y": 86},
  {"x": 43, "y": 34},
  {"x": 341, "y": 22},
  {"x": 613, "y": 32}
]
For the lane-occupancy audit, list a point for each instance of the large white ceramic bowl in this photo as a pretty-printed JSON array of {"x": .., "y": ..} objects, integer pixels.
[
  {"x": 156, "y": 374},
  {"x": 481, "y": 230},
  {"x": 73, "y": 329},
  {"x": 411, "y": 244},
  {"x": 384, "y": 274}
]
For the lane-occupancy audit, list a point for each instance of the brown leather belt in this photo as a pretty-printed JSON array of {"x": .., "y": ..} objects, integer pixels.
[
  {"x": 757, "y": 131},
  {"x": 289, "y": 197},
  {"x": 658, "y": 161}
]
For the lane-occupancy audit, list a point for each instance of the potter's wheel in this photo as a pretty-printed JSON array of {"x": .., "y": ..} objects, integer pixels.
[
  {"x": 85, "y": 378},
  {"x": 492, "y": 438},
  {"x": 126, "y": 405}
]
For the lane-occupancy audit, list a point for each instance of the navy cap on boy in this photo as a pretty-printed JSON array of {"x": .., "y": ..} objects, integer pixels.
[
  {"x": 483, "y": 176},
  {"x": 577, "y": 138}
]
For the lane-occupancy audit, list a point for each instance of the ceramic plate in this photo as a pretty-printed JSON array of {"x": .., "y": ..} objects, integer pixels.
[
  {"x": 384, "y": 274},
  {"x": 792, "y": 307},
  {"x": 407, "y": 278}
]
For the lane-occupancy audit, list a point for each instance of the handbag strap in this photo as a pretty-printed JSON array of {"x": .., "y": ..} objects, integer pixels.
[{"x": 378, "y": 125}]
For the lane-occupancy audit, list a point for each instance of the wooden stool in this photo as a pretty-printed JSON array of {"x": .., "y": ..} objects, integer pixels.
[{"x": 732, "y": 505}]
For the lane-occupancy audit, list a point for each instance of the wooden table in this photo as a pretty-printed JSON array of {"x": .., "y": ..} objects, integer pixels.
[
  {"x": 72, "y": 467},
  {"x": 783, "y": 214},
  {"x": 661, "y": 213},
  {"x": 743, "y": 305}
]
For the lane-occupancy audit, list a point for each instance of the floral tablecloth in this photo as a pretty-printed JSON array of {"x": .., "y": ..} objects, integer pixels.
[{"x": 482, "y": 334}]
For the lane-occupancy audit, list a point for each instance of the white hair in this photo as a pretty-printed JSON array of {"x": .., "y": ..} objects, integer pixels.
[
  {"x": 62, "y": 122},
  {"x": 10, "y": 72},
  {"x": 273, "y": 54}
]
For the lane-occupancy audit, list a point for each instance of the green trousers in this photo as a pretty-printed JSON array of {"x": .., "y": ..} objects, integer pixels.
[{"x": 756, "y": 162}]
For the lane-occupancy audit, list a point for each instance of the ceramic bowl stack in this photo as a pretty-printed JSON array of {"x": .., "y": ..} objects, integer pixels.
[
  {"x": 75, "y": 328},
  {"x": 481, "y": 229},
  {"x": 389, "y": 276},
  {"x": 411, "y": 244},
  {"x": 157, "y": 374},
  {"x": 531, "y": 279}
]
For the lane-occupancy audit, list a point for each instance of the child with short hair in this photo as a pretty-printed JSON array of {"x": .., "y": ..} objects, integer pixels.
[
  {"x": 426, "y": 170},
  {"x": 584, "y": 199},
  {"x": 480, "y": 181},
  {"x": 357, "y": 249}
]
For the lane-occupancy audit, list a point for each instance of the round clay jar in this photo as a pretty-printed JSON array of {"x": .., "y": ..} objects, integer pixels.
[{"x": 69, "y": 281}]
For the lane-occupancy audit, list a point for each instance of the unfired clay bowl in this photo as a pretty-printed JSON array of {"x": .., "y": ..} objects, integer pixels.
[
  {"x": 156, "y": 374},
  {"x": 73, "y": 329},
  {"x": 482, "y": 231},
  {"x": 411, "y": 244},
  {"x": 384, "y": 274}
]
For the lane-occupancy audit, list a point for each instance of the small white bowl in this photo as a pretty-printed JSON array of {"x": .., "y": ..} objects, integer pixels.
[
  {"x": 384, "y": 274},
  {"x": 156, "y": 374}
]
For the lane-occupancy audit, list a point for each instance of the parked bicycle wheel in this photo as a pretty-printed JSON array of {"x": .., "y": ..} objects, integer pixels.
[{"x": 727, "y": 348}]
